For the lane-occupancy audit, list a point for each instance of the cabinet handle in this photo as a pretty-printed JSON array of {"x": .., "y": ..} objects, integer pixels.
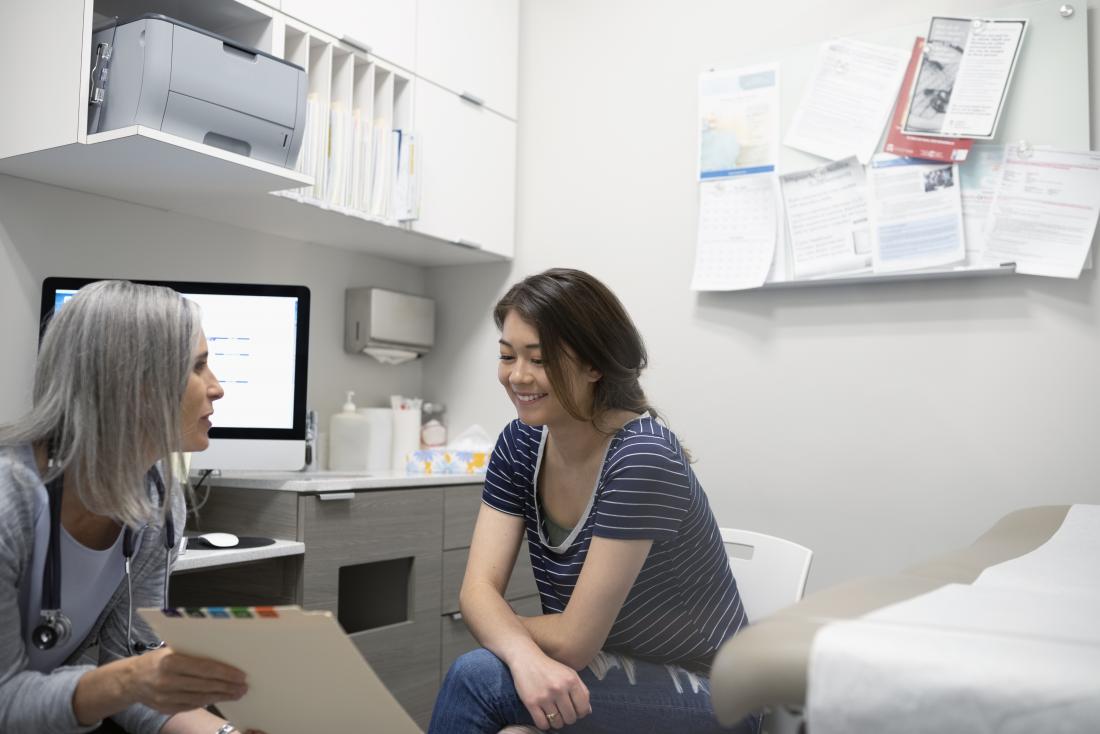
[
  {"x": 468, "y": 243},
  {"x": 456, "y": 616},
  {"x": 336, "y": 496},
  {"x": 472, "y": 98},
  {"x": 356, "y": 43}
]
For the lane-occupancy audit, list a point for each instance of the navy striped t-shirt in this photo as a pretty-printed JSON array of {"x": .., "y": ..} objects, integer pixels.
[{"x": 684, "y": 603}]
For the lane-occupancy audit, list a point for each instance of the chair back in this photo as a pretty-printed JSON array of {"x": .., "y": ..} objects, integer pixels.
[{"x": 771, "y": 572}]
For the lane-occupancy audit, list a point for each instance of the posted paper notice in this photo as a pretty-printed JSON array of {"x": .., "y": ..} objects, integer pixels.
[
  {"x": 826, "y": 211},
  {"x": 1044, "y": 212},
  {"x": 964, "y": 78},
  {"x": 738, "y": 121},
  {"x": 737, "y": 233},
  {"x": 848, "y": 100},
  {"x": 916, "y": 214}
]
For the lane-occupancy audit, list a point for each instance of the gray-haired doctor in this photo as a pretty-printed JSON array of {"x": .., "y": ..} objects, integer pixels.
[{"x": 89, "y": 512}]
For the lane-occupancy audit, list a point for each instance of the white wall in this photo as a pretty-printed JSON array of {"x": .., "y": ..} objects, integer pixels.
[
  {"x": 875, "y": 424},
  {"x": 46, "y": 230}
]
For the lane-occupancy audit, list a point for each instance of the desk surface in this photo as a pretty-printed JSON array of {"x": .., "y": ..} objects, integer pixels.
[
  {"x": 194, "y": 559},
  {"x": 766, "y": 664},
  {"x": 331, "y": 481}
]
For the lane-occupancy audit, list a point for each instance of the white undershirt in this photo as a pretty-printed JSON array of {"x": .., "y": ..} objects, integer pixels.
[{"x": 88, "y": 579}]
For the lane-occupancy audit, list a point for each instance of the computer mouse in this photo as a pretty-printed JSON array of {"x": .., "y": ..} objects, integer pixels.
[{"x": 221, "y": 540}]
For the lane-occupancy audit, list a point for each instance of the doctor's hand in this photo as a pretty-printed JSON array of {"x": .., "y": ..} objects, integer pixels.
[
  {"x": 553, "y": 693},
  {"x": 171, "y": 682}
]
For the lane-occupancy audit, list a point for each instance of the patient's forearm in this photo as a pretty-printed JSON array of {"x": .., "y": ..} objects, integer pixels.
[
  {"x": 494, "y": 624},
  {"x": 556, "y": 637}
]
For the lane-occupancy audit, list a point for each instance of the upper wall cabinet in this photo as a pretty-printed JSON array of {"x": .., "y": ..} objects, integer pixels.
[
  {"x": 467, "y": 174},
  {"x": 470, "y": 47},
  {"x": 385, "y": 28}
]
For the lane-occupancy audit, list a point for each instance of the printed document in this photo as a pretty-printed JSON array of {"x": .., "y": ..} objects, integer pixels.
[
  {"x": 1044, "y": 211},
  {"x": 738, "y": 121},
  {"x": 963, "y": 81},
  {"x": 978, "y": 182},
  {"x": 826, "y": 211},
  {"x": 848, "y": 100},
  {"x": 737, "y": 233},
  {"x": 919, "y": 146},
  {"x": 916, "y": 214}
]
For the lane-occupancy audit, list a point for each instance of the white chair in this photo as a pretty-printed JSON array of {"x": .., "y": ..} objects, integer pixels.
[{"x": 771, "y": 572}]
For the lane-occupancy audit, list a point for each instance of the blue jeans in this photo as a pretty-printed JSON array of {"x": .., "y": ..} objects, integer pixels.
[{"x": 631, "y": 696}]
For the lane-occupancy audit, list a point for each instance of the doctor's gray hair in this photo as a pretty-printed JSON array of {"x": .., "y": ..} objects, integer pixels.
[{"x": 111, "y": 374}]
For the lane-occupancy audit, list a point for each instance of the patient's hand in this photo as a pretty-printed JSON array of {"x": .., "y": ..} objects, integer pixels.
[{"x": 552, "y": 692}]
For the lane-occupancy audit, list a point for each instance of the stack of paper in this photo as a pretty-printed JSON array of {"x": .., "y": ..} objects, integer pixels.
[
  {"x": 360, "y": 198},
  {"x": 406, "y": 199},
  {"x": 313, "y": 157},
  {"x": 337, "y": 191},
  {"x": 382, "y": 155}
]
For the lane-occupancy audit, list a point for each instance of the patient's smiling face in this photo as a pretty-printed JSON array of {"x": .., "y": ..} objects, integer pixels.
[{"x": 523, "y": 373}]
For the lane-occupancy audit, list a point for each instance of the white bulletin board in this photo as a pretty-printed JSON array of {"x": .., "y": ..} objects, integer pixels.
[{"x": 1047, "y": 105}]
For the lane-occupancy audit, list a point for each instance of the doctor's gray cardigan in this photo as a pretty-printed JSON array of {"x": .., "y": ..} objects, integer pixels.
[{"x": 41, "y": 703}]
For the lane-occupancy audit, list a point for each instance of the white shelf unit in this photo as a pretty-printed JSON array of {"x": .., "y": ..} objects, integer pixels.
[{"x": 465, "y": 164}]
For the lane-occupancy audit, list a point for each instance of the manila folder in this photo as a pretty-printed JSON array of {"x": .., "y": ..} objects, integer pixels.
[{"x": 304, "y": 673}]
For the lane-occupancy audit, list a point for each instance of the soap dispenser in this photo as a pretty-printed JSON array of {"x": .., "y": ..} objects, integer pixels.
[{"x": 347, "y": 438}]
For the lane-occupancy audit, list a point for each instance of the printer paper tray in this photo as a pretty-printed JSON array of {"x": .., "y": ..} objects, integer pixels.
[{"x": 223, "y": 128}]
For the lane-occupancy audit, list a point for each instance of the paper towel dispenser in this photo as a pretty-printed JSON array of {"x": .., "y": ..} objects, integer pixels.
[{"x": 378, "y": 321}]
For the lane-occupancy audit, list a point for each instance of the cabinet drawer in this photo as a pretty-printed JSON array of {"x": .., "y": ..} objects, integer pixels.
[
  {"x": 368, "y": 527},
  {"x": 521, "y": 583},
  {"x": 456, "y": 641},
  {"x": 460, "y": 508}
]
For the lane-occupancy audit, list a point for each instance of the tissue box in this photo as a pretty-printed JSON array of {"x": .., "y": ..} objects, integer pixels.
[{"x": 445, "y": 461}]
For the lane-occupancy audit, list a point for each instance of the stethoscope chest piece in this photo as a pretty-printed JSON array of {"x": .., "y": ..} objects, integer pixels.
[{"x": 55, "y": 629}]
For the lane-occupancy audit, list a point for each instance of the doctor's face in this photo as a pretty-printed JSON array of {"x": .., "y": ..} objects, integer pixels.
[{"x": 198, "y": 401}]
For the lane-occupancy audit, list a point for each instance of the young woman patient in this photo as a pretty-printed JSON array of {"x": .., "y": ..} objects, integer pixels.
[{"x": 636, "y": 589}]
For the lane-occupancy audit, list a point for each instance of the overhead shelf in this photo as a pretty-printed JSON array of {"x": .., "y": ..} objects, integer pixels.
[
  {"x": 146, "y": 166},
  {"x": 288, "y": 215}
]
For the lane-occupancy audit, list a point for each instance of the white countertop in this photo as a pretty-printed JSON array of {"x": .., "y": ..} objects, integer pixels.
[
  {"x": 334, "y": 481},
  {"x": 193, "y": 558}
]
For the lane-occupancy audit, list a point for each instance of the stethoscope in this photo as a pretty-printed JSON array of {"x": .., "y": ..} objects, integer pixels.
[{"x": 55, "y": 627}]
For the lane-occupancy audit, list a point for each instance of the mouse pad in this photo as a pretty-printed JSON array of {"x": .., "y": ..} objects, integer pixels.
[{"x": 244, "y": 542}]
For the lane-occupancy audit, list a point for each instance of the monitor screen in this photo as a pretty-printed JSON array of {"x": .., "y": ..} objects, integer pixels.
[{"x": 258, "y": 336}]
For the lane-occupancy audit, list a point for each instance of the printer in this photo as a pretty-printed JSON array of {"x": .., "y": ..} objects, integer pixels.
[{"x": 165, "y": 74}]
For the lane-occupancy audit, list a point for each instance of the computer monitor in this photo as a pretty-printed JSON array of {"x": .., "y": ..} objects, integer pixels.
[{"x": 259, "y": 348}]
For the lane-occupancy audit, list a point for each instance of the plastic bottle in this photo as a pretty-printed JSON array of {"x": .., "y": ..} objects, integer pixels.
[
  {"x": 433, "y": 428},
  {"x": 347, "y": 437}
]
